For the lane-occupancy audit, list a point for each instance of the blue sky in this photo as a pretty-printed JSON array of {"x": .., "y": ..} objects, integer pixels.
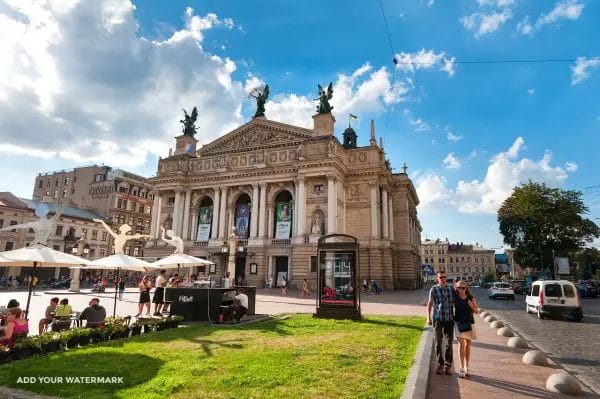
[{"x": 106, "y": 81}]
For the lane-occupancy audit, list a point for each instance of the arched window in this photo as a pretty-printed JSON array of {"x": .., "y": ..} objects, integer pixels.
[
  {"x": 205, "y": 218},
  {"x": 283, "y": 215}
]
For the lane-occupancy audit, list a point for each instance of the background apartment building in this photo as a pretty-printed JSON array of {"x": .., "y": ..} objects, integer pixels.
[
  {"x": 460, "y": 261},
  {"x": 120, "y": 196}
]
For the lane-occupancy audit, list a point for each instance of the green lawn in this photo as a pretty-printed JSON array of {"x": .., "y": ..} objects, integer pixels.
[{"x": 291, "y": 357}]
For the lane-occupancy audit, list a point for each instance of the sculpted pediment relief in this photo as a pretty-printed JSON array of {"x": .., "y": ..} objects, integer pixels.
[{"x": 253, "y": 137}]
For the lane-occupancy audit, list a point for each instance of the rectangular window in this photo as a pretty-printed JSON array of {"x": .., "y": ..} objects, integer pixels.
[
  {"x": 41, "y": 184},
  {"x": 171, "y": 201},
  {"x": 104, "y": 235},
  {"x": 102, "y": 253},
  {"x": 59, "y": 230},
  {"x": 553, "y": 290},
  {"x": 318, "y": 188},
  {"x": 9, "y": 246},
  {"x": 64, "y": 195},
  {"x": 136, "y": 251},
  {"x": 92, "y": 252},
  {"x": 569, "y": 292},
  {"x": 313, "y": 264},
  {"x": 67, "y": 180},
  {"x": 55, "y": 195},
  {"x": 56, "y": 183},
  {"x": 48, "y": 183},
  {"x": 125, "y": 204},
  {"x": 535, "y": 291},
  {"x": 1, "y": 223},
  {"x": 94, "y": 234},
  {"x": 83, "y": 233},
  {"x": 141, "y": 208},
  {"x": 119, "y": 203},
  {"x": 98, "y": 178},
  {"x": 13, "y": 223},
  {"x": 56, "y": 247}
]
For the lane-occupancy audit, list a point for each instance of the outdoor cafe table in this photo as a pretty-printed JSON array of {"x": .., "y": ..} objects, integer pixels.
[{"x": 204, "y": 304}]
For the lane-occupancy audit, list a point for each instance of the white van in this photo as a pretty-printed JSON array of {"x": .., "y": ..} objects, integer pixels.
[{"x": 556, "y": 298}]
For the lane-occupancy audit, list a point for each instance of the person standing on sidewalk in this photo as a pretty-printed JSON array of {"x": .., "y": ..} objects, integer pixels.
[
  {"x": 464, "y": 307},
  {"x": 441, "y": 302}
]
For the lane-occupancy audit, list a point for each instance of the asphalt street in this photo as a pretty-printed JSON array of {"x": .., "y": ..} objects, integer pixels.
[{"x": 570, "y": 344}]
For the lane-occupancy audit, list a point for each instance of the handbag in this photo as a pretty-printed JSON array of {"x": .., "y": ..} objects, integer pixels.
[{"x": 463, "y": 327}]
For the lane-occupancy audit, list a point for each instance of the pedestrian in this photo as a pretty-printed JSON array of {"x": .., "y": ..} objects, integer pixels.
[
  {"x": 305, "y": 291},
  {"x": 144, "y": 287},
  {"x": 121, "y": 288},
  {"x": 284, "y": 282},
  {"x": 464, "y": 307},
  {"x": 34, "y": 283},
  {"x": 442, "y": 304},
  {"x": 159, "y": 293}
]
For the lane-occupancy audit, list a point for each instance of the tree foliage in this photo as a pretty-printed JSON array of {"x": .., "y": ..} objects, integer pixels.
[{"x": 536, "y": 219}]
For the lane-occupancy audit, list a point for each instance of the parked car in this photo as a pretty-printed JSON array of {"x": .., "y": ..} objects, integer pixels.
[
  {"x": 61, "y": 283},
  {"x": 587, "y": 290},
  {"x": 501, "y": 290},
  {"x": 554, "y": 298}
]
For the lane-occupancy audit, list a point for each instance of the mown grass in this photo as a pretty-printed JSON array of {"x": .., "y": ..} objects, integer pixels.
[{"x": 292, "y": 357}]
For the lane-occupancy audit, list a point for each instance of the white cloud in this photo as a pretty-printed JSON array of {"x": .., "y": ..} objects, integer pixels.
[
  {"x": 484, "y": 24},
  {"x": 571, "y": 166},
  {"x": 451, "y": 162},
  {"x": 531, "y": 91},
  {"x": 451, "y": 136},
  {"x": 418, "y": 124},
  {"x": 567, "y": 9},
  {"x": 495, "y": 3},
  {"x": 365, "y": 91},
  {"x": 410, "y": 62},
  {"x": 84, "y": 86},
  {"x": 583, "y": 68},
  {"x": 505, "y": 171}
]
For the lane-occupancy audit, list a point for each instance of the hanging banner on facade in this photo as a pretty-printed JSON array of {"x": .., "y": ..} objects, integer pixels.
[
  {"x": 284, "y": 220},
  {"x": 561, "y": 265},
  {"x": 242, "y": 221},
  {"x": 204, "y": 222}
]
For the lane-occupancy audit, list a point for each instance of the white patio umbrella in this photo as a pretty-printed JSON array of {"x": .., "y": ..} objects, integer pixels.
[
  {"x": 35, "y": 256},
  {"x": 119, "y": 262},
  {"x": 177, "y": 260}
]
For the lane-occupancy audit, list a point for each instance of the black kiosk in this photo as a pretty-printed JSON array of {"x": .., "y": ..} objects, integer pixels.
[
  {"x": 205, "y": 304},
  {"x": 337, "y": 279}
]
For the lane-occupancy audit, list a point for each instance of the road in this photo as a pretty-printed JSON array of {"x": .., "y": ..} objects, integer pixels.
[{"x": 570, "y": 344}]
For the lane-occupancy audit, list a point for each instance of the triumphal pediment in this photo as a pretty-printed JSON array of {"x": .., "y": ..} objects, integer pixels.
[{"x": 257, "y": 134}]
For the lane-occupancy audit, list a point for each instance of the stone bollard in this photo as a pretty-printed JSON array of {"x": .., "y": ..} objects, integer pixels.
[
  {"x": 517, "y": 342},
  {"x": 505, "y": 332},
  {"x": 490, "y": 318},
  {"x": 497, "y": 324},
  {"x": 484, "y": 314},
  {"x": 563, "y": 383},
  {"x": 536, "y": 358}
]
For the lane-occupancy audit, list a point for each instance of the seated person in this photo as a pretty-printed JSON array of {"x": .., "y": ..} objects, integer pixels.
[
  {"x": 239, "y": 307},
  {"x": 49, "y": 315},
  {"x": 173, "y": 281},
  {"x": 64, "y": 310},
  {"x": 94, "y": 314},
  {"x": 16, "y": 327},
  {"x": 13, "y": 303}
]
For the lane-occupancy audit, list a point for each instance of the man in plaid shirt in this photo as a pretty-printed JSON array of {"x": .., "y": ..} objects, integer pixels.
[{"x": 442, "y": 303}]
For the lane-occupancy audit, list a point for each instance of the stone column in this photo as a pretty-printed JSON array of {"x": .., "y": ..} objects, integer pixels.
[
  {"x": 155, "y": 213},
  {"x": 177, "y": 212},
  {"x": 331, "y": 205},
  {"x": 222, "y": 210},
  {"x": 374, "y": 211},
  {"x": 254, "y": 216},
  {"x": 215, "y": 217},
  {"x": 230, "y": 219},
  {"x": 186, "y": 215},
  {"x": 270, "y": 221},
  {"x": 263, "y": 210},
  {"x": 391, "y": 216},
  {"x": 301, "y": 207},
  {"x": 194, "y": 229},
  {"x": 385, "y": 215},
  {"x": 295, "y": 210}
]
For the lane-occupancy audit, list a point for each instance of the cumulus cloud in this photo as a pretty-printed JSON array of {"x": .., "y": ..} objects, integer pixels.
[
  {"x": 483, "y": 24},
  {"x": 568, "y": 9},
  {"x": 85, "y": 86},
  {"x": 417, "y": 124},
  {"x": 451, "y": 161},
  {"x": 410, "y": 62},
  {"x": 451, "y": 136},
  {"x": 365, "y": 91},
  {"x": 506, "y": 170},
  {"x": 583, "y": 68}
]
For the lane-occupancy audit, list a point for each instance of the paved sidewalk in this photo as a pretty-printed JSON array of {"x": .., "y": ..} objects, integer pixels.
[{"x": 496, "y": 372}]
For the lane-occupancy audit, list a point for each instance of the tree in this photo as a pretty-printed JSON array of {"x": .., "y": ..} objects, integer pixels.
[
  {"x": 588, "y": 262},
  {"x": 537, "y": 220},
  {"x": 489, "y": 277}
]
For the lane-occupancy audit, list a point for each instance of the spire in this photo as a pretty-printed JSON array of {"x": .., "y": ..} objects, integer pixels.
[
  {"x": 373, "y": 141},
  {"x": 381, "y": 142}
]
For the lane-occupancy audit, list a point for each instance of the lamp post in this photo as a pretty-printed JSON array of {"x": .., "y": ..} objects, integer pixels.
[{"x": 233, "y": 240}]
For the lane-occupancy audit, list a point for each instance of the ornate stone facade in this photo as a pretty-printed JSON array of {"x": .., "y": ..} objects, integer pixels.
[{"x": 329, "y": 189}]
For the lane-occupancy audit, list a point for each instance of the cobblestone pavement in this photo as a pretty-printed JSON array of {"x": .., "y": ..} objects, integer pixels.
[{"x": 572, "y": 345}]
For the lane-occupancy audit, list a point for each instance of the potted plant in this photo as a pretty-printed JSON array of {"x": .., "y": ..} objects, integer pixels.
[
  {"x": 98, "y": 334},
  {"x": 24, "y": 348},
  {"x": 83, "y": 336},
  {"x": 160, "y": 325},
  {"x": 175, "y": 320},
  {"x": 49, "y": 342},
  {"x": 149, "y": 326}
]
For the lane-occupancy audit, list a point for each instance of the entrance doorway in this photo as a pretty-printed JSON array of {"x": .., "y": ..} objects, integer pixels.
[
  {"x": 240, "y": 269},
  {"x": 281, "y": 269}
]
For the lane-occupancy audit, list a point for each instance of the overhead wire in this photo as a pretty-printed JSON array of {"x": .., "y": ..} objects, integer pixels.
[{"x": 395, "y": 62}]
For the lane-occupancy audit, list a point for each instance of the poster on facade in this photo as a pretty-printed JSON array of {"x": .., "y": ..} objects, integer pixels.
[
  {"x": 561, "y": 265},
  {"x": 242, "y": 221},
  {"x": 283, "y": 229},
  {"x": 204, "y": 222}
]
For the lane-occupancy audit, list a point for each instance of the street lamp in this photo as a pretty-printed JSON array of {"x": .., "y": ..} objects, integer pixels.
[{"x": 224, "y": 247}]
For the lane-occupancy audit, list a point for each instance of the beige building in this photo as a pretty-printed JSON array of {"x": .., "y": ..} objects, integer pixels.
[
  {"x": 76, "y": 233},
  {"x": 460, "y": 261},
  {"x": 120, "y": 196},
  {"x": 283, "y": 187}
]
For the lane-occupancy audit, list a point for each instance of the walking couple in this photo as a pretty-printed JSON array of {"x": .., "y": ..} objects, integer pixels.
[{"x": 452, "y": 308}]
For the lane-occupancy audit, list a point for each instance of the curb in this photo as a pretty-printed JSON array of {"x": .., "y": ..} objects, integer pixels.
[{"x": 418, "y": 377}]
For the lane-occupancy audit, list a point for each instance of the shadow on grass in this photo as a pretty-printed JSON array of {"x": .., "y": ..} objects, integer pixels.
[
  {"x": 391, "y": 323},
  {"x": 207, "y": 344},
  {"x": 125, "y": 371}
]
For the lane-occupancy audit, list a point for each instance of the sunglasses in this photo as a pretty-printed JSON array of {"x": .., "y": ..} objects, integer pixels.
[
  {"x": 444, "y": 277},
  {"x": 462, "y": 288}
]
